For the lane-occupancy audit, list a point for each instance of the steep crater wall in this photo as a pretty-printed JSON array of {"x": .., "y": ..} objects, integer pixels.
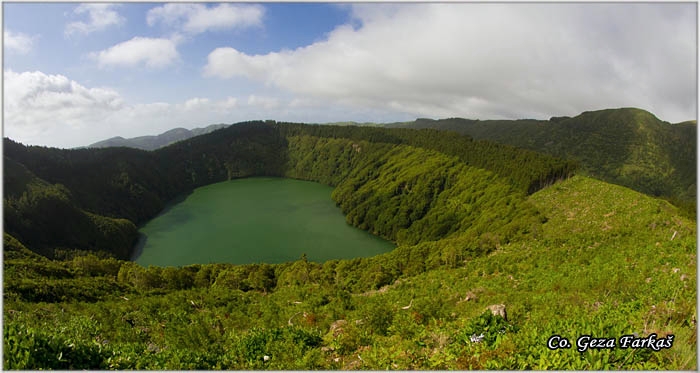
[{"x": 412, "y": 195}]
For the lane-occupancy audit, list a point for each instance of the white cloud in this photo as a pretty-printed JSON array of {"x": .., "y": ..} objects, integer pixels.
[
  {"x": 17, "y": 42},
  {"x": 100, "y": 17},
  {"x": 38, "y": 105},
  {"x": 228, "y": 63},
  {"x": 53, "y": 110},
  {"x": 152, "y": 52},
  {"x": 263, "y": 102},
  {"x": 196, "y": 103},
  {"x": 30, "y": 90},
  {"x": 227, "y": 104},
  {"x": 198, "y": 18},
  {"x": 492, "y": 60}
]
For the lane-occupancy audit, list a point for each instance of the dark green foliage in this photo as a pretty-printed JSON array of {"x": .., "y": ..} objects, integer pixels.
[
  {"x": 526, "y": 170},
  {"x": 135, "y": 185},
  {"x": 279, "y": 344},
  {"x": 411, "y": 195},
  {"x": 34, "y": 278},
  {"x": 628, "y": 146},
  {"x": 114, "y": 182},
  {"x": 28, "y": 348},
  {"x": 45, "y": 217},
  {"x": 13, "y": 249},
  {"x": 487, "y": 329},
  {"x": 240, "y": 150}
]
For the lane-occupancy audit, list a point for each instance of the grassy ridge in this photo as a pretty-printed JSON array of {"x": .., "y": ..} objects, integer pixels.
[{"x": 593, "y": 268}]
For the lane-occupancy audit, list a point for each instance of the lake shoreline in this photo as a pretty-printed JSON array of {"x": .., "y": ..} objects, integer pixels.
[{"x": 253, "y": 220}]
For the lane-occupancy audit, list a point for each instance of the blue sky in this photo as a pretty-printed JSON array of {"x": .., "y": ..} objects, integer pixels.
[{"x": 76, "y": 73}]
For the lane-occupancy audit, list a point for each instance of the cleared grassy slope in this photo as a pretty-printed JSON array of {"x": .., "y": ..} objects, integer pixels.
[{"x": 604, "y": 264}]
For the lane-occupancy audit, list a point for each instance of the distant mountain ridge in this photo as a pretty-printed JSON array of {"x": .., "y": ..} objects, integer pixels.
[
  {"x": 626, "y": 146},
  {"x": 154, "y": 142}
]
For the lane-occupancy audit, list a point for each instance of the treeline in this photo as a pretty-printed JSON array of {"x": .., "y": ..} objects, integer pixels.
[
  {"x": 421, "y": 306},
  {"x": 87, "y": 277}
]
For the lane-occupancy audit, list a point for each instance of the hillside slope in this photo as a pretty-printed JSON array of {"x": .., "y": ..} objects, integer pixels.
[
  {"x": 628, "y": 146},
  {"x": 47, "y": 216},
  {"x": 608, "y": 262},
  {"x": 477, "y": 224}
]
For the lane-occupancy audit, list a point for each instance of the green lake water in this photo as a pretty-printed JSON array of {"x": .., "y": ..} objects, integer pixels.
[{"x": 254, "y": 220}]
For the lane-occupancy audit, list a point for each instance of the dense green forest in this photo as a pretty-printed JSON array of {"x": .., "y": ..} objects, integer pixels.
[
  {"x": 476, "y": 224},
  {"x": 628, "y": 146}
]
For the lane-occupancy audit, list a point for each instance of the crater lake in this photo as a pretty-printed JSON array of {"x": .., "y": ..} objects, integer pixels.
[{"x": 254, "y": 220}]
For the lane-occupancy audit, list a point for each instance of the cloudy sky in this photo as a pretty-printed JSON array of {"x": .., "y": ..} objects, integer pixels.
[{"x": 75, "y": 74}]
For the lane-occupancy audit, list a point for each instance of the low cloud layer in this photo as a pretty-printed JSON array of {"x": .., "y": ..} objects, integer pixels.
[{"x": 492, "y": 60}]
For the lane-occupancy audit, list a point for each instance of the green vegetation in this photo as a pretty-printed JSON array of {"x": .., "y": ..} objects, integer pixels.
[
  {"x": 410, "y": 195},
  {"x": 629, "y": 147},
  {"x": 476, "y": 224},
  {"x": 607, "y": 269},
  {"x": 46, "y": 215},
  {"x": 123, "y": 183},
  {"x": 526, "y": 170}
]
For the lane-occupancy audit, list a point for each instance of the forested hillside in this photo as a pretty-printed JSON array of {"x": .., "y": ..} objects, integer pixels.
[
  {"x": 478, "y": 226},
  {"x": 629, "y": 147}
]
